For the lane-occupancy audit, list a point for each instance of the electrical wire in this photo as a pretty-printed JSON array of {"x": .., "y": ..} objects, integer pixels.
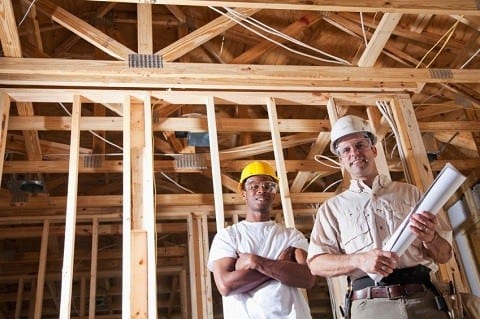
[
  {"x": 363, "y": 30},
  {"x": 332, "y": 184},
  {"x": 336, "y": 166},
  {"x": 470, "y": 59},
  {"x": 92, "y": 132},
  {"x": 118, "y": 154},
  {"x": 447, "y": 34},
  {"x": 238, "y": 18},
  {"x": 176, "y": 183},
  {"x": 26, "y": 13},
  {"x": 273, "y": 31}
]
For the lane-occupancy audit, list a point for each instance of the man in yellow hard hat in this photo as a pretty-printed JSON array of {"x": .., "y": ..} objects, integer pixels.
[
  {"x": 351, "y": 228},
  {"x": 259, "y": 265}
]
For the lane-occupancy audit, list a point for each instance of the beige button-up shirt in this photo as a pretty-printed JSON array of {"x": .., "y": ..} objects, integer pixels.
[{"x": 363, "y": 218}]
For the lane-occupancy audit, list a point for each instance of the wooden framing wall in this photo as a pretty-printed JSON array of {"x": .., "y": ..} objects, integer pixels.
[{"x": 134, "y": 118}]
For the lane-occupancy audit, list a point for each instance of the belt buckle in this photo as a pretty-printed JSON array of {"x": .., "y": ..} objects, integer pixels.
[
  {"x": 391, "y": 288},
  {"x": 389, "y": 294}
]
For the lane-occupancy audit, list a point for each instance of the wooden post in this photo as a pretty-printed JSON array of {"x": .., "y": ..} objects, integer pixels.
[
  {"x": 18, "y": 304},
  {"x": 420, "y": 171},
  {"x": 71, "y": 211},
  {"x": 192, "y": 261},
  {"x": 215, "y": 162},
  {"x": 280, "y": 164},
  {"x": 93, "y": 270},
  {"x": 4, "y": 114},
  {"x": 127, "y": 213},
  {"x": 42, "y": 265}
]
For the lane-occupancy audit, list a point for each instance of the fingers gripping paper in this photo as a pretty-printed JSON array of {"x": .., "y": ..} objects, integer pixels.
[{"x": 442, "y": 188}]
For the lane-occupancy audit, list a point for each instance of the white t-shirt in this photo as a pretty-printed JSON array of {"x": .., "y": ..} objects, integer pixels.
[{"x": 271, "y": 299}]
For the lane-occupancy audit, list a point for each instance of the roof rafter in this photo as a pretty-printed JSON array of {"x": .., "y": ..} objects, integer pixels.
[{"x": 468, "y": 7}]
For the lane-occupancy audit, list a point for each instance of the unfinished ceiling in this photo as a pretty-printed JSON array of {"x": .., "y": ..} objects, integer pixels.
[{"x": 225, "y": 82}]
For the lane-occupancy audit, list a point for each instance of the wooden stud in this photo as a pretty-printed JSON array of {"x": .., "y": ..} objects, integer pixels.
[
  {"x": 148, "y": 200},
  {"x": 19, "y": 301},
  {"x": 4, "y": 116},
  {"x": 93, "y": 270},
  {"x": 215, "y": 162},
  {"x": 127, "y": 212},
  {"x": 280, "y": 164},
  {"x": 42, "y": 266},
  {"x": 71, "y": 211}
]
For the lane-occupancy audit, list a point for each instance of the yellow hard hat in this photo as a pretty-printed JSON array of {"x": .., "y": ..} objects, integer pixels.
[{"x": 256, "y": 168}]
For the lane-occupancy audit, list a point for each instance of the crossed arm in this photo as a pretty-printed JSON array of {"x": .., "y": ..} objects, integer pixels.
[{"x": 248, "y": 271}]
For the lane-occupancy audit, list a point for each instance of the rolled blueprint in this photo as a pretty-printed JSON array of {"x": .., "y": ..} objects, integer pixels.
[{"x": 443, "y": 187}]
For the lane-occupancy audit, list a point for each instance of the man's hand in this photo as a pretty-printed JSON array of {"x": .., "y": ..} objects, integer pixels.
[
  {"x": 288, "y": 254},
  {"x": 423, "y": 224},
  {"x": 245, "y": 261},
  {"x": 378, "y": 262}
]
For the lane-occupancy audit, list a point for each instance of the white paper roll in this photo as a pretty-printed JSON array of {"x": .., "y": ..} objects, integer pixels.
[{"x": 443, "y": 187}]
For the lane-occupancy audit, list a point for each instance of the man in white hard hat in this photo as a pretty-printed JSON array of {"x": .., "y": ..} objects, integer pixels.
[
  {"x": 259, "y": 265},
  {"x": 351, "y": 228}
]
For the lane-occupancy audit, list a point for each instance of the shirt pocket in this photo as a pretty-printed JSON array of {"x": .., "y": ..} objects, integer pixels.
[
  {"x": 355, "y": 232},
  {"x": 398, "y": 210}
]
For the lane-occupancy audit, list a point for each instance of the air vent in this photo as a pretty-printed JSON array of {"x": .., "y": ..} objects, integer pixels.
[{"x": 190, "y": 161}]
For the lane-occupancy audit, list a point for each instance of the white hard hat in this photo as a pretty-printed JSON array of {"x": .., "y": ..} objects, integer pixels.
[{"x": 347, "y": 125}]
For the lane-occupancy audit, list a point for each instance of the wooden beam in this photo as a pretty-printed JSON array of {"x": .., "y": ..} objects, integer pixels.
[
  {"x": 200, "y": 36},
  {"x": 293, "y": 30},
  {"x": 93, "y": 269},
  {"x": 32, "y": 141},
  {"x": 116, "y": 166},
  {"x": 42, "y": 266},
  {"x": 374, "y": 117},
  {"x": 33, "y": 28},
  {"x": 411, "y": 143},
  {"x": 144, "y": 29},
  {"x": 139, "y": 300},
  {"x": 467, "y": 7},
  {"x": 127, "y": 210},
  {"x": 193, "y": 264},
  {"x": 19, "y": 299},
  {"x": 8, "y": 30},
  {"x": 97, "y": 73},
  {"x": 83, "y": 29},
  {"x": 110, "y": 98},
  {"x": 12, "y": 47},
  {"x": 149, "y": 209},
  {"x": 420, "y": 173},
  {"x": 207, "y": 300},
  {"x": 280, "y": 164},
  {"x": 104, "y": 123},
  {"x": 71, "y": 212},
  {"x": 379, "y": 38},
  {"x": 215, "y": 164},
  {"x": 4, "y": 116},
  {"x": 164, "y": 202}
]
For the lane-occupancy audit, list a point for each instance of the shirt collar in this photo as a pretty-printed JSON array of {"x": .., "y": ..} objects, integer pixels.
[{"x": 358, "y": 186}]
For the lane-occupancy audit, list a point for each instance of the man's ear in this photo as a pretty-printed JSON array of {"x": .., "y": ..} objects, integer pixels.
[{"x": 374, "y": 150}]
